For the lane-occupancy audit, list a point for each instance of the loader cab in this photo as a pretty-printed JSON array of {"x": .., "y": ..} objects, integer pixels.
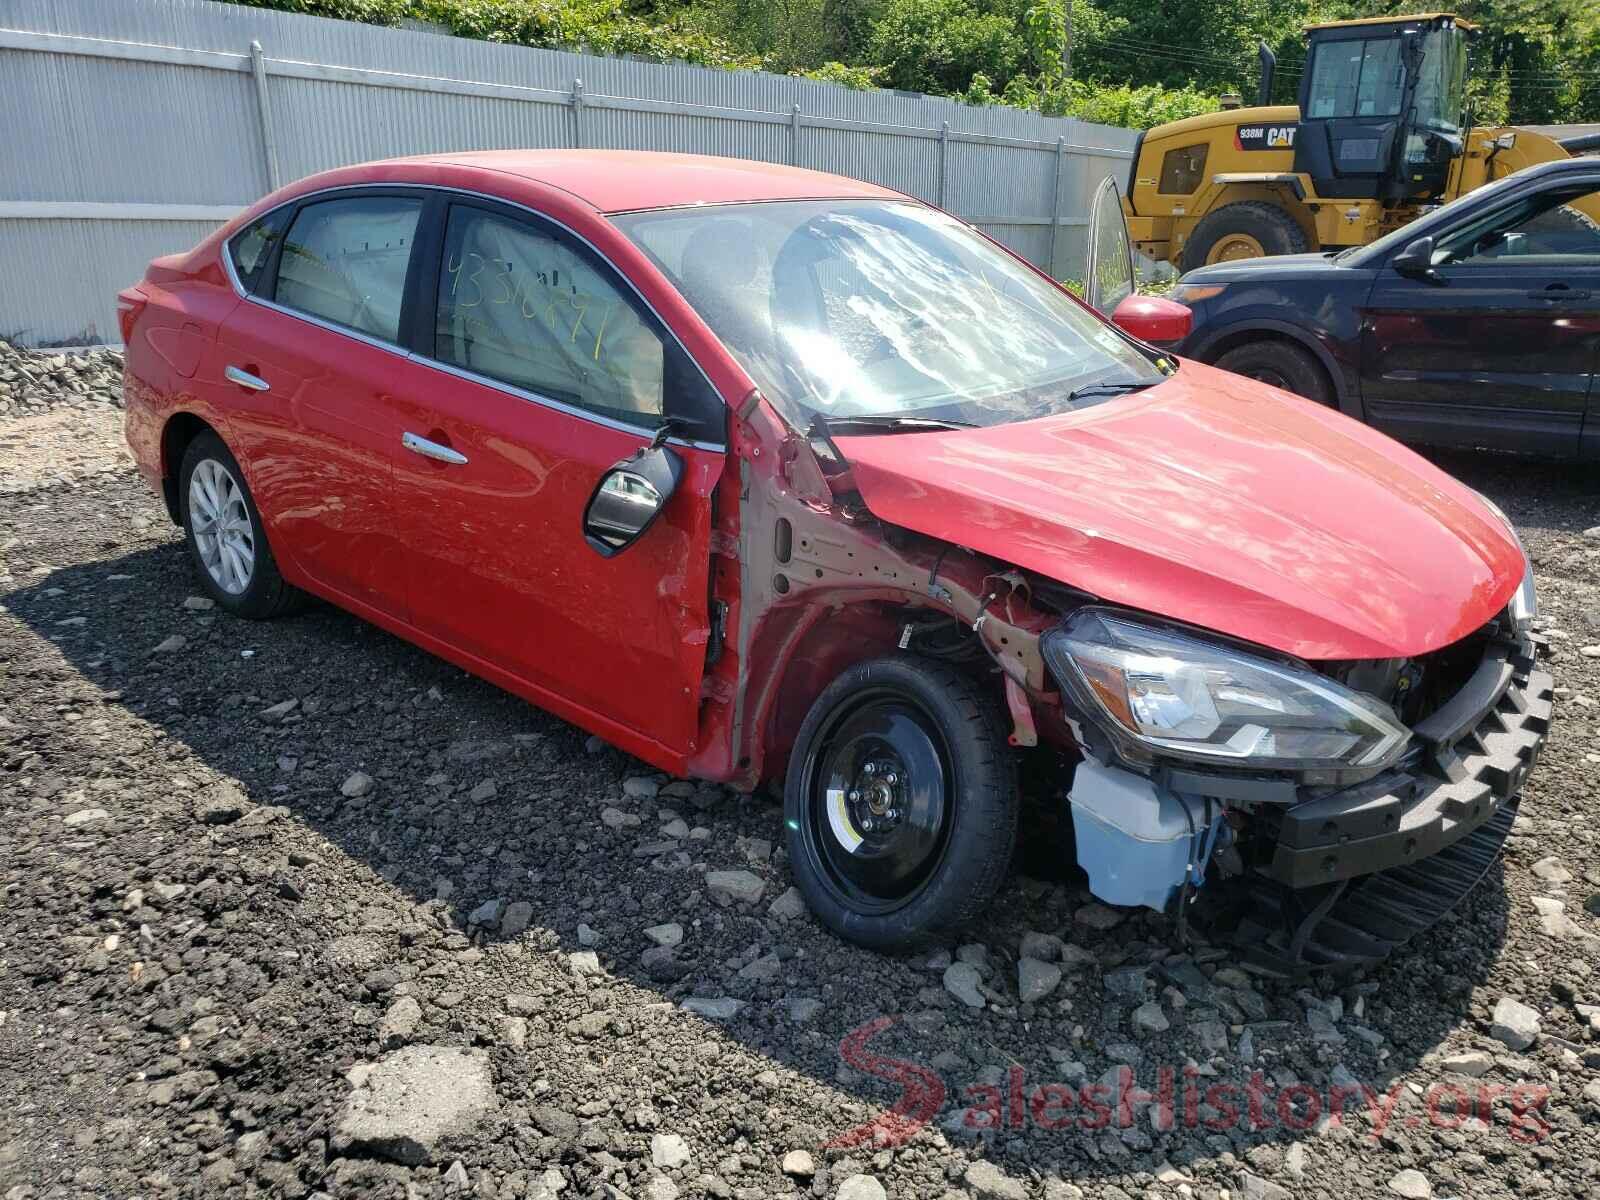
[{"x": 1382, "y": 106}]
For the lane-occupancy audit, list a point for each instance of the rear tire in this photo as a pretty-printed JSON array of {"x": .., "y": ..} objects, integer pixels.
[
  {"x": 1245, "y": 223},
  {"x": 227, "y": 544},
  {"x": 900, "y": 803},
  {"x": 1282, "y": 365}
]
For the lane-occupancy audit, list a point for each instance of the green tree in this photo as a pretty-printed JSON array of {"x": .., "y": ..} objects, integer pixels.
[{"x": 939, "y": 45}]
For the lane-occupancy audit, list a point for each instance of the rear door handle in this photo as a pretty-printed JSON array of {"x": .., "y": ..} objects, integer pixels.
[
  {"x": 1559, "y": 293},
  {"x": 422, "y": 446},
  {"x": 251, "y": 383}
]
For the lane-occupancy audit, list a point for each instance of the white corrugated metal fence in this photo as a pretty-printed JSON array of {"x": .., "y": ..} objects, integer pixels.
[{"x": 135, "y": 126}]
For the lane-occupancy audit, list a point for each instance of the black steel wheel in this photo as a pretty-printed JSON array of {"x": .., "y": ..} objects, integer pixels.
[{"x": 901, "y": 803}]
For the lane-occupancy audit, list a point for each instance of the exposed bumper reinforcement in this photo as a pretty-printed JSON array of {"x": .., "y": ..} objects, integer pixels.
[{"x": 1453, "y": 788}]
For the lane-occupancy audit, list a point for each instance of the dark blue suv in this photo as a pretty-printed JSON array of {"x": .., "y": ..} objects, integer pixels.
[{"x": 1476, "y": 325}]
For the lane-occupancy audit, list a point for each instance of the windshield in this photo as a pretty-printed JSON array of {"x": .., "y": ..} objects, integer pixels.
[
  {"x": 855, "y": 308},
  {"x": 1442, "y": 81}
]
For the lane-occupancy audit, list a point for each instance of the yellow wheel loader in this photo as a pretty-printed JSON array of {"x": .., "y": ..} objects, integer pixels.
[{"x": 1381, "y": 133}]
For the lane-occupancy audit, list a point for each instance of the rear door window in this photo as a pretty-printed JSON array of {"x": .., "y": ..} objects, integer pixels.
[{"x": 345, "y": 261}]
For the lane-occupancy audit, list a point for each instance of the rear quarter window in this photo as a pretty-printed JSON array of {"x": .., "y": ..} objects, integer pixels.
[{"x": 250, "y": 248}]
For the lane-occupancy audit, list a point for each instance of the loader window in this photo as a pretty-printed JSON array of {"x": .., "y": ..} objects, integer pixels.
[
  {"x": 1442, "y": 81},
  {"x": 1357, "y": 78},
  {"x": 1182, "y": 169}
]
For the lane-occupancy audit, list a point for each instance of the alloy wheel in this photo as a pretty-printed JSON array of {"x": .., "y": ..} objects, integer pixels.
[{"x": 220, "y": 522}]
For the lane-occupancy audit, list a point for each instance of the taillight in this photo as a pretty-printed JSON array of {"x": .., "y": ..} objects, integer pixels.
[{"x": 130, "y": 303}]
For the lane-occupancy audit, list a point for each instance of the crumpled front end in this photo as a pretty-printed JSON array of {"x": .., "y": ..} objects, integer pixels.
[{"x": 1314, "y": 869}]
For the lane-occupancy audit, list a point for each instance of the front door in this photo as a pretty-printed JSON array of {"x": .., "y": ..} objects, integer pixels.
[
  {"x": 545, "y": 371},
  {"x": 313, "y": 365},
  {"x": 1499, "y": 346}
]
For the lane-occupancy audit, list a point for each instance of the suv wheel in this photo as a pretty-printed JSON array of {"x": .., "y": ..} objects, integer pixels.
[
  {"x": 1282, "y": 365},
  {"x": 900, "y": 803}
]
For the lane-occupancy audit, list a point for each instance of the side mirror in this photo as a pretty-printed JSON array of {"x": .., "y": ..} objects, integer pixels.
[
  {"x": 1154, "y": 319},
  {"x": 1416, "y": 261},
  {"x": 628, "y": 499}
]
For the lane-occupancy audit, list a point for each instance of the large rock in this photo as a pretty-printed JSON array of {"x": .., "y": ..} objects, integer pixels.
[
  {"x": 1515, "y": 1024},
  {"x": 989, "y": 1182},
  {"x": 400, "y": 1023},
  {"x": 963, "y": 982},
  {"x": 414, "y": 1102},
  {"x": 861, "y": 1187},
  {"x": 1036, "y": 979},
  {"x": 734, "y": 887}
]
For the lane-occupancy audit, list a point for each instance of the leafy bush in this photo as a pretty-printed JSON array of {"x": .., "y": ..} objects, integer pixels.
[{"x": 856, "y": 78}]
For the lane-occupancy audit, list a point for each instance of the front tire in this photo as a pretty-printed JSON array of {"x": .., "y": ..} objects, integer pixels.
[
  {"x": 222, "y": 527},
  {"x": 1282, "y": 365},
  {"x": 900, "y": 803}
]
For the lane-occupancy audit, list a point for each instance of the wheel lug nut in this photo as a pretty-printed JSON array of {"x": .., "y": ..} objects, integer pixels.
[
  {"x": 870, "y": 769},
  {"x": 853, "y": 796},
  {"x": 891, "y": 778}
]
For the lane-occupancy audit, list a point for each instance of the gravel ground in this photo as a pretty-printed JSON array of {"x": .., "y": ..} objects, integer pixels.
[{"x": 295, "y": 908}]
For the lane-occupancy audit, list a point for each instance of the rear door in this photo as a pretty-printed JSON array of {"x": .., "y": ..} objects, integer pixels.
[
  {"x": 312, "y": 364},
  {"x": 1499, "y": 348},
  {"x": 545, "y": 370}
]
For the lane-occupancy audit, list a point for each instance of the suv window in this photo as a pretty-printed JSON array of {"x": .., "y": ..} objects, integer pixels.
[
  {"x": 345, "y": 261},
  {"x": 1550, "y": 226},
  {"x": 252, "y": 247},
  {"x": 522, "y": 304}
]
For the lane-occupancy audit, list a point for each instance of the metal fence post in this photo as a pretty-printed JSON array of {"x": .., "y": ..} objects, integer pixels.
[
  {"x": 577, "y": 114},
  {"x": 1055, "y": 206},
  {"x": 269, "y": 141},
  {"x": 944, "y": 158},
  {"x": 794, "y": 136}
]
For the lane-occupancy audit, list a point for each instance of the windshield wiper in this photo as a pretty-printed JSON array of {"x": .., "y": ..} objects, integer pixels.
[
  {"x": 1114, "y": 387},
  {"x": 888, "y": 423}
]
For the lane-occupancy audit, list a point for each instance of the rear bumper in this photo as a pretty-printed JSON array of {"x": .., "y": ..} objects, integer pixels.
[{"x": 1475, "y": 753}]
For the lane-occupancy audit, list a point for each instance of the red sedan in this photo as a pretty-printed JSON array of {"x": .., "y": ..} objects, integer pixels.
[{"x": 759, "y": 472}]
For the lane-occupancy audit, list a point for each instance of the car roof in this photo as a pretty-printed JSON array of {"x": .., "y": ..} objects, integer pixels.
[{"x": 629, "y": 180}]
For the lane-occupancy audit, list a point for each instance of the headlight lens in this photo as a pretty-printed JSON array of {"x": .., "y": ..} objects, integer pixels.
[
  {"x": 1524, "y": 602},
  {"x": 1193, "y": 293},
  {"x": 1209, "y": 701}
]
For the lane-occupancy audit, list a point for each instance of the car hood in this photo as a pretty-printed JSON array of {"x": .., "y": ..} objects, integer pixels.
[
  {"x": 1218, "y": 501},
  {"x": 1279, "y": 266}
]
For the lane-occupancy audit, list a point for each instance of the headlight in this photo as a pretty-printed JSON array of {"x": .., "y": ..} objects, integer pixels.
[
  {"x": 1212, "y": 702},
  {"x": 1524, "y": 602},
  {"x": 1193, "y": 293}
]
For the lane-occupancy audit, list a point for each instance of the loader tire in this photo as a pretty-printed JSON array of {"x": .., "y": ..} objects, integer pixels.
[{"x": 1248, "y": 229}]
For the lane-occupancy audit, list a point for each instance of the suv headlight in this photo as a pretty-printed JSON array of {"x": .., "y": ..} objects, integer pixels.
[
  {"x": 1215, "y": 703},
  {"x": 1524, "y": 602}
]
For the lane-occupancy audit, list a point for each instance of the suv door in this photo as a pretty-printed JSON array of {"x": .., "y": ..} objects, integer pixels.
[
  {"x": 310, "y": 366},
  {"x": 546, "y": 370},
  {"x": 1499, "y": 344}
]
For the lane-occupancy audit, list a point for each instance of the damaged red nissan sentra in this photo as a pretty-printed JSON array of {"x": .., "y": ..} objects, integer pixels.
[{"x": 763, "y": 473}]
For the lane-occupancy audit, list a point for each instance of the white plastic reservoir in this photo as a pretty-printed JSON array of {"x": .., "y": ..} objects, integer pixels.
[{"x": 1133, "y": 841}]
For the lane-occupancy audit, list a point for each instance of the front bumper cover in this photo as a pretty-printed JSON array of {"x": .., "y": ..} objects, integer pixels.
[
  {"x": 1357, "y": 871},
  {"x": 1474, "y": 754}
]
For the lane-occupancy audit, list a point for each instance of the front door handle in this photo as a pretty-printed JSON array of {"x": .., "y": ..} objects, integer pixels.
[
  {"x": 422, "y": 446},
  {"x": 1559, "y": 293},
  {"x": 250, "y": 383}
]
